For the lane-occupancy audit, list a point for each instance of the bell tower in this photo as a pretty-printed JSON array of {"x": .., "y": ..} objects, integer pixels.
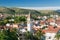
[{"x": 28, "y": 22}]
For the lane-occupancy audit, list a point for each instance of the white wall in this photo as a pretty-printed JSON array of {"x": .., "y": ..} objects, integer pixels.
[{"x": 51, "y": 35}]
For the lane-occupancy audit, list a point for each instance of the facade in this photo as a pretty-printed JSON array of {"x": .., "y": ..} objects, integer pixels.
[
  {"x": 28, "y": 23},
  {"x": 50, "y": 33},
  {"x": 50, "y": 36}
]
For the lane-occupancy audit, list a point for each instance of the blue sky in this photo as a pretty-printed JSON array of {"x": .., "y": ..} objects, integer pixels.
[{"x": 30, "y": 3}]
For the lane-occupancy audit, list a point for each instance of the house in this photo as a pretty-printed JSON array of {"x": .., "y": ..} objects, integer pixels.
[
  {"x": 58, "y": 21},
  {"x": 50, "y": 33},
  {"x": 36, "y": 28},
  {"x": 50, "y": 20},
  {"x": 15, "y": 26}
]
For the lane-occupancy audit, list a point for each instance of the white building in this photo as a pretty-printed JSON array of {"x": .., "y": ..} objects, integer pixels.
[
  {"x": 50, "y": 33},
  {"x": 29, "y": 23},
  {"x": 50, "y": 36}
]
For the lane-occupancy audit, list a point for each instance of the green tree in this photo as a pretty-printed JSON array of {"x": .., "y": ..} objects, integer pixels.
[
  {"x": 57, "y": 36},
  {"x": 8, "y": 34},
  {"x": 2, "y": 23},
  {"x": 22, "y": 18},
  {"x": 16, "y": 19},
  {"x": 2, "y": 35},
  {"x": 12, "y": 35},
  {"x": 39, "y": 34},
  {"x": 29, "y": 35}
]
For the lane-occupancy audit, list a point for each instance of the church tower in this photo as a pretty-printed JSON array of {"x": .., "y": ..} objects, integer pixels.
[{"x": 28, "y": 22}]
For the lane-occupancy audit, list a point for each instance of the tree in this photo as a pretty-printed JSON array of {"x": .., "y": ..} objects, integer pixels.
[
  {"x": 8, "y": 34},
  {"x": 22, "y": 18},
  {"x": 2, "y": 35},
  {"x": 19, "y": 19},
  {"x": 29, "y": 35},
  {"x": 12, "y": 35},
  {"x": 39, "y": 34},
  {"x": 2, "y": 23},
  {"x": 57, "y": 36}
]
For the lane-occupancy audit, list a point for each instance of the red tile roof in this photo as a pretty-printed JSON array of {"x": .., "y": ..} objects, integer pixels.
[
  {"x": 50, "y": 20},
  {"x": 36, "y": 28},
  {"x": 51, "y": 29}
]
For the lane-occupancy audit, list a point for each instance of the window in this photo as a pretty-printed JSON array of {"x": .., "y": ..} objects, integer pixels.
[
  {"x": 20, "y": 34},
  {"x": 20, "y": 38},
  {"x": 49, "y": 37}
]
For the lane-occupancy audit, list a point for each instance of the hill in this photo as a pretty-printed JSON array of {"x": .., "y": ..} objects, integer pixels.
[{"x": 19, "y": 11}]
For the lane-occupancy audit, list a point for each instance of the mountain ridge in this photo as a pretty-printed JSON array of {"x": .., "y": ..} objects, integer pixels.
[{"x": 14, "y": 10}]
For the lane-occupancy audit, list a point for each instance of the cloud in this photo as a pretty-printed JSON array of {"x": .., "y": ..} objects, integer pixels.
[{"x": 41, "y": 8}]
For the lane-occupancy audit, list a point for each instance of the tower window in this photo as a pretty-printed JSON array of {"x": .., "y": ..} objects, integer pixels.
[{"x": 49, "y": 37}]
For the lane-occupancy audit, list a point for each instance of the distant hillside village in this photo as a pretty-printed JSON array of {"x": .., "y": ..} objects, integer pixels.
[{"x": 37, "y": 25}]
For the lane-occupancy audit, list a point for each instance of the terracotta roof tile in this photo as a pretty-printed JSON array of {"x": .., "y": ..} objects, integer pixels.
[{"x": 51, "y": 30}]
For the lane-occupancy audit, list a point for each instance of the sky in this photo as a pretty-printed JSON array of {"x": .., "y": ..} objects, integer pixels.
[{"x": 30, "y": 3}]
